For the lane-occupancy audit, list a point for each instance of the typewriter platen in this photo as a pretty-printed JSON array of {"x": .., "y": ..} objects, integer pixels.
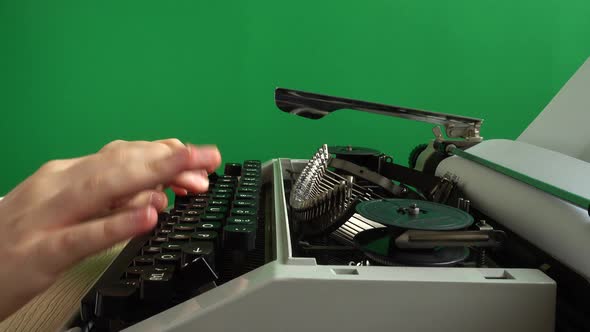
[{"x": 348, "y": 240}]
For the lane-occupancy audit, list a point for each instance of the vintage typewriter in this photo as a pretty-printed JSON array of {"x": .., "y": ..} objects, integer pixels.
[{"x": 473, "y": 236}]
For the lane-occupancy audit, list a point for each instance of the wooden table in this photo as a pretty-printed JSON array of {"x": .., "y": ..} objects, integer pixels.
[{"x": 52, "y": 309}]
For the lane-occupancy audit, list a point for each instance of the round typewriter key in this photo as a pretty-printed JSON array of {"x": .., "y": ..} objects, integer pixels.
[
  {"x": 225, "y": 185},
  {"x": 170, "y": 247},
  {"x": 221, "y": 196},
  {"x": 252, "y": 184},
  {"x": 245, "y": 196},
  {"x": 199, "y": 200},
  {"x": 157, "y": 240},
  {"x": 239, "y": 237},
  {"x": 168, "y": 223},
  {"x": 189, "y": 220},
  {"x": 197, "y": 206},
  {"x": 222, "y": 191},
  {"x": 143, "y": 260},
  {"x": 215, "y": 210},
  {"x": 150, "y": 250},
  {"x": 244, "y": 203},
  {"x": 193, "y": 250},
  {"x": 162, "y": 268},
  {"x": 168, "y": 258},
  {"x": 220, "y": 202},
  {"x": 192, "y": 213},
  {"x": 212, "y": 217},
  {"x": 246, "y": 220},
  {"x": 244, "y": 212},
  {"x": 178, "y": 237},
  {"x": 247, "y": 189},
  {"x": 204, "y": 236},
  {"x": 209, "y": 226},
  {"x": 185, "y": 227},
  {"x": 163, "y": 232}
]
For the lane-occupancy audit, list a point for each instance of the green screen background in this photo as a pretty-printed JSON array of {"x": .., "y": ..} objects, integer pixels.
[{"x": 75, "y": 75}]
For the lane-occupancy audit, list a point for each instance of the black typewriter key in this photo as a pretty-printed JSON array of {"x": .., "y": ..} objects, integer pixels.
[
  {"x": 226, "y": 180},
  {"x": 204, "y": 236},
  {"x": 218, "y": 202},
  {"x": 178, "y": 237},
  {"x": 174, "y": 218},
  {"x": 209, "y": 226},
  {"x": 150, "y": 250},
  {"x": 134, "y": 272},
  {"x": 212, "y": 217},
  {"x": 168, "y": 258},
  {"x": 185, "y": 227},
  {"x": 250, "y": 184},
  {"x": 168, "y": 223},
  {"x": 192, "y": 213},
  {"x": 169, "y": 247},
  {"x": 199, "y": 200},
  {"x": 225, "y": 185},
  {"x": 232, "y": 169},
  {"x": 251, "y": 174},
  {"x": 253, "y": 162},
  {"x": 175, "y": 212},
  {"x": 239, "y": 237},
  {"x": 189, "y": 220},
  {"x": 162, "y": 268},
  {"x": 163, "y": 232},
  {"x": 197, "y": 206},
  {"x": 244, "y": 211},
  {"x": 222, "y": 191},
  {"x": 211, "y": 236},
  {"x": 242, "y": 220},
  {"x": 248, "y": 189},
  {"x": 244, "y": 203},
  {"x": 112, "y": 301},
  {"x": 246, "y": 196},
  {"x": 215, "y": 210},
  {"x": 193, "y": 250},
  {"x": 157, "y": 240},
  {"x": 200, "y": 195},
  {"x": 221, "y": 196},
  {"x": 156, "y": 286},
  {"x": 250, "y": 179},
  {"x": 143, "y": 260}
]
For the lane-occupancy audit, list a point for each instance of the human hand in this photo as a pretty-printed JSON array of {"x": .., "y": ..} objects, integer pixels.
[{"x": 70, "y": 209}]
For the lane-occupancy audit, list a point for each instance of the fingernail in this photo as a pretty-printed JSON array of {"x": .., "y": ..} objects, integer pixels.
[
  {"x": 207, "y": 154},
  {"x": 157, "y": 201}
]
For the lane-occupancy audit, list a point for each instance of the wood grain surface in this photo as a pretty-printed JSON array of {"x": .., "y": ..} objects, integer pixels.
[{"x": 51, "y": 310}]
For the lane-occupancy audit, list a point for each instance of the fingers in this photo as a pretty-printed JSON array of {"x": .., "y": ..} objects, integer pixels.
[
  {"x": 67, "y": 246},
  {"x": 155, "y": 198},
  {"x": 193, "y": 181},
  {"x": 122, "y": 171}
]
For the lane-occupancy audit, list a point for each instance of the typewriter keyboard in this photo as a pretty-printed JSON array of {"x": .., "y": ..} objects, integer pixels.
[{"x": 204, "y": 241}]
